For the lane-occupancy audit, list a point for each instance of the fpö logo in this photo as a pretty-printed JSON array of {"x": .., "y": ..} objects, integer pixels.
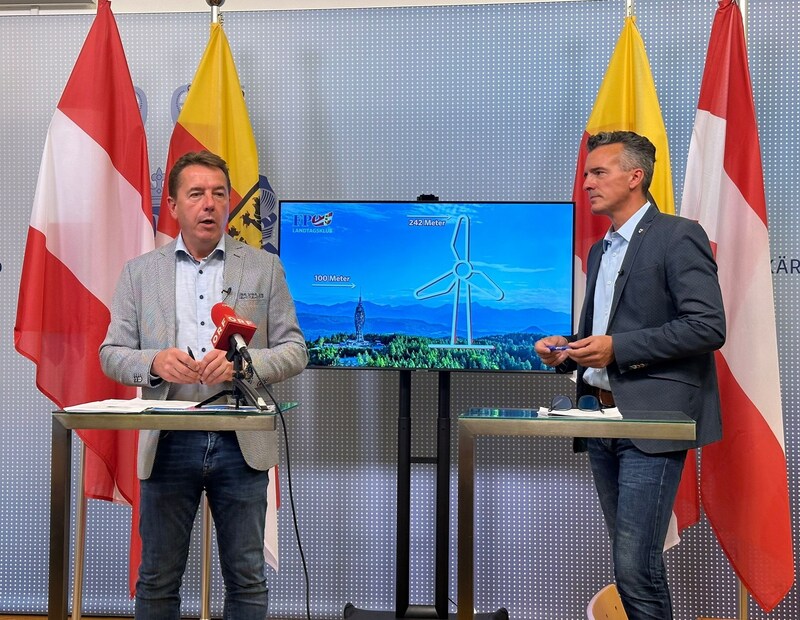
[{"x": 320, "y": 223}]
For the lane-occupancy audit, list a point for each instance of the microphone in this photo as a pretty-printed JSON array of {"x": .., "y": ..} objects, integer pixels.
[{"x": 232, "y": 332}]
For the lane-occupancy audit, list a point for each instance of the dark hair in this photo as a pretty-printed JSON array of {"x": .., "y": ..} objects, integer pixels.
[
  {"x": 637, "y": 152},
  {"x": 198, "y": 158}
]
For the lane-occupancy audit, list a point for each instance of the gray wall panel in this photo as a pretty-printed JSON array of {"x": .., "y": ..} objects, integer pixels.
[{"x": 466, "y": 102}]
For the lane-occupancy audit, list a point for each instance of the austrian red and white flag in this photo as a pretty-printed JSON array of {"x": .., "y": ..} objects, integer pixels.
[
  {"x": 743, "y": 480},
  {"x": 91, "y": 213}
]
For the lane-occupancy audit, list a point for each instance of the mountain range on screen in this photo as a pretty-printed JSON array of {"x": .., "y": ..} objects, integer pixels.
[{"x": 435, "y": 322}]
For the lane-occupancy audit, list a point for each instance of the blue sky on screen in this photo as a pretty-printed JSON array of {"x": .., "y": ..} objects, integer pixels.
[{"x": 384, "y": 251}]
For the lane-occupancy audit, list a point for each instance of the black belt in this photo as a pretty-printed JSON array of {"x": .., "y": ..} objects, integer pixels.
[{"x": 605, "y": 397}]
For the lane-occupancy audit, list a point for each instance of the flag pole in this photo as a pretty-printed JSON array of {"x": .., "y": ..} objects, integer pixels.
[
  {"x": 741, "y": 599},
  {"x": 215, "y": 5},
  {"x": 79, "y": 564},
  {"x": 205, "y": 541},
  {"x": 742, "y": 595},
  {"x": 629, "y": 8},
  {"x": 205, "y": 561}
]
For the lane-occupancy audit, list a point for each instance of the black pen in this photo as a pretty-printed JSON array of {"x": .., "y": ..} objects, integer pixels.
[{"x": 189, "y": 351}]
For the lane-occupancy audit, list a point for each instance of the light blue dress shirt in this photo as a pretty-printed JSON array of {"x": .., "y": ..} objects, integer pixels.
[
  {"x": 615, "y": 246},
  {"x": 198, "y": 286}
]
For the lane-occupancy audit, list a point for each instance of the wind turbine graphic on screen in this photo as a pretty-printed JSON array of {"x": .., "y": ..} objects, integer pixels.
[{"x": 462, "y": 277}]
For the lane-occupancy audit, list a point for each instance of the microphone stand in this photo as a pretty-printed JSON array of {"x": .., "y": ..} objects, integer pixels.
[{"x": 241, "y": 390}]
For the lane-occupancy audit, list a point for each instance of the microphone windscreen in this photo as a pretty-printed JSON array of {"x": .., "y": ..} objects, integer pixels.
[
  {"x": 229, "y": 325},
  {"x": 219, "y": 311}
]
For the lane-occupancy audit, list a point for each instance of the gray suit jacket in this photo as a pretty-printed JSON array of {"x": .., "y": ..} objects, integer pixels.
[
  {"x": 666, "y": 320},
  {"x": 143, "y": 323}
]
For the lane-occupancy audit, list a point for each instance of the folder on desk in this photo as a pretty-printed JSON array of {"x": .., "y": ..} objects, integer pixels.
[
  {"x": 130, "y": 405},
  {"x": 610, "y": 413},
  {"x": 163, "y": 407},
  {"x": 213, "y": 409}
]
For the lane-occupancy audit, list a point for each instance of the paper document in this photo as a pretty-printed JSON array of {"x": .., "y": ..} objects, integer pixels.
[
  {"x": 132, "y": 405},
  {"x": 611, "y": 413},
  {"x": 216, "y": 408}
]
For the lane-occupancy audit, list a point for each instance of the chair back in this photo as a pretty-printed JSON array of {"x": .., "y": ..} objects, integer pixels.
[{"x": 606, "y": 605}]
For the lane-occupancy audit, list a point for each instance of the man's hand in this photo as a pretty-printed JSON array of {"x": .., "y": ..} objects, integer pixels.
[
  {"x": 551, "y": 358},
  {"x": 215, "y": 368},
  {"x": 176, "y": 366},
  {"x": 592, "y": 352}
]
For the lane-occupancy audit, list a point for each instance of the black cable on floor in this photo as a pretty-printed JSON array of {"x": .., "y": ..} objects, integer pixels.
[{"x": 291, "y": 493}]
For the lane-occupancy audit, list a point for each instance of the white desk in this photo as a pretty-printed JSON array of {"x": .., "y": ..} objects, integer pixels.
[
  {"x": 525, "y": 422},
  {"x": 61, "y": 472}
]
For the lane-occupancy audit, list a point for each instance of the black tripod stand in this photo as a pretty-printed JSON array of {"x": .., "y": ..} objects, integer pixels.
[{"x": 241, "y": 391}]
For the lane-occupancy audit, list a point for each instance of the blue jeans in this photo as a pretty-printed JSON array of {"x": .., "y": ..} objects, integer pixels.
[
  {"x": 637, "y": 492},
  {"x": 186, "y": 463}
]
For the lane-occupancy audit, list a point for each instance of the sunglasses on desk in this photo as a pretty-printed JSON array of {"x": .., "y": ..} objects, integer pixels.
[{"x": 587, "y": 402}]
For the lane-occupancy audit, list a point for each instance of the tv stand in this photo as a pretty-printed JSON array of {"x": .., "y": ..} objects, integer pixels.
[{"x": 403, "y": 608}]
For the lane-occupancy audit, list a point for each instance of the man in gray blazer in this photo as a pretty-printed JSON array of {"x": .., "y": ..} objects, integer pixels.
[
  {"x": 159, "y": 339},
  {"x": 651, "y": 321}
]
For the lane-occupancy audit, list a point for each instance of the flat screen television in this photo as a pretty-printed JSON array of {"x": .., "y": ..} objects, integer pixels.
[{"x": 428, "y": 285}]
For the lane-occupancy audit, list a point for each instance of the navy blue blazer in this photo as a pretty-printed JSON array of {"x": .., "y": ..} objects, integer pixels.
[{"x": 666, "y": 320}]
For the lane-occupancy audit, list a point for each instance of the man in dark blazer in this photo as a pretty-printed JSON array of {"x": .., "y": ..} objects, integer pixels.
[
  {"x": 651, "y": 321},
  {"x": 159, "y": 339}
]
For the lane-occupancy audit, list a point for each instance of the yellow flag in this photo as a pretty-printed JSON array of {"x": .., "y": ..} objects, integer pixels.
[
  {"x": 626, "y": 101},
  {"x": 214, "y": 117}
]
